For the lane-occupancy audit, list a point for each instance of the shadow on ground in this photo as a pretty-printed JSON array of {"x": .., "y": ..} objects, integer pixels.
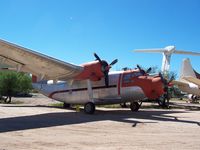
[{"x": 69, "y": 118}]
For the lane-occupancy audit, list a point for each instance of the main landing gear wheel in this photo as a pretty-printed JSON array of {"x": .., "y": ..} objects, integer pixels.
[
  {"x": 66, "y": 105},
  {"x": 7, "y": 99},
  {"x": 163, "y": 101},
  {"x": 134, "y": 106},
  {"x": 89, "y": 108}
]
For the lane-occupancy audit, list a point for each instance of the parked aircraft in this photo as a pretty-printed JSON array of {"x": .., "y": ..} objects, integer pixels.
[
  {"x": 189, "y": 81},
  {"x": 89, "y": 84},
  {"x": 167, "y": 52}
]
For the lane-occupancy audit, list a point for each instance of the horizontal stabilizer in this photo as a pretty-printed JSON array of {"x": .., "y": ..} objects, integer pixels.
[
  {"x": 192, "y": 79},
  {"x": 168, "y": 49},
  {"x": 186, "y": 52},
  {"x": 150, "y": 50}
]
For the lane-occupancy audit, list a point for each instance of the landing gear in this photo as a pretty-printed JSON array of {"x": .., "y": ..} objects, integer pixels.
[
  {"x": 66, "y": 105},
  {"x": 163, "y": 101},
  {"x": 7, "y": 99},
  {"x": 134, "y": 106},
  {"x": 89, "y": 108},
  {"x": 123, "y": 105}
]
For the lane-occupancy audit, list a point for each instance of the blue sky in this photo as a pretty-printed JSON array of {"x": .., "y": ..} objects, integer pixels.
[{"x": 72, "y": 30}]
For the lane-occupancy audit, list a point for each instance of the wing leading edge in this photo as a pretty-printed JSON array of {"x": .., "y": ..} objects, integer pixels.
[
  {"x": 36, "y": 63},
  {"x": 192, "y": 79}
]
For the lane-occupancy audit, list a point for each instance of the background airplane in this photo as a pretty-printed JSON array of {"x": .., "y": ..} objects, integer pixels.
[
  {"x": 167, "y": 52},
  {"x": 189, "y": 81},
  {"x": 89, "y": 84}
]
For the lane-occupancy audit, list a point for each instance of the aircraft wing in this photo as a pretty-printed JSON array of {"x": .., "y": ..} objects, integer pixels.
[
  {"x": 43, "y": 66},
  {"x": 180, "y": 83},
  {"x": 192, "y": 79}
]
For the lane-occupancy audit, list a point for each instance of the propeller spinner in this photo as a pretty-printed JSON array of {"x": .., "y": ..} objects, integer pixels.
[{"x": 105, "y": 67}]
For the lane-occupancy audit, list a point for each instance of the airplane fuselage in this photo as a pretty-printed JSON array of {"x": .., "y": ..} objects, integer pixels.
[{"x": 123, "y": 87}]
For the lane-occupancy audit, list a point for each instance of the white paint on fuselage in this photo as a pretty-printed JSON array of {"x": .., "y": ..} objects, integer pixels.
[{"x": 77, "y": 92}]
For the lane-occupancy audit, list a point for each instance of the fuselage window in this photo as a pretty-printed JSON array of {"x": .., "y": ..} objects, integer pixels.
[{"x": 127, "y": 78}]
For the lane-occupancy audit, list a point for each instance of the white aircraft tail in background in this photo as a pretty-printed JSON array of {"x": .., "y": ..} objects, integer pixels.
[
  {"x": 186, "y": 69},
  {"x": 188, "y": 73},
  {"x": 189, "y": 81},
  {"x": 167, "y": 52}
]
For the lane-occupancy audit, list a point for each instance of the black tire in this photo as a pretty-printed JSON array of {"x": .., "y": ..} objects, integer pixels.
[
  {"x": 123, "y": 105},
  {"x": 134, "y": 106},
  {"x": 66, "y": 105},
  {"x": 89, "y": 108},
  {"x": 162, "y": 102},
  {"x": 7, "y": 99}
]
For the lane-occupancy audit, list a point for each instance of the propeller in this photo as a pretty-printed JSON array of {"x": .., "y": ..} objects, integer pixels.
[
  {"x": 143, "y": 71},
  {"x": 105, "y": 67},
  {"x": 166, "y": 82}
]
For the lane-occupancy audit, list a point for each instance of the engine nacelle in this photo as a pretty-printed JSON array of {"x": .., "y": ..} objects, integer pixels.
[{"x": 92, "y": 71}]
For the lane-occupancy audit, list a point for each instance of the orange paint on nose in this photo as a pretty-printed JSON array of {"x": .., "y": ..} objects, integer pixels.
[
  {"x": 157, "y": 88},
  {"x": 92, "y": 71}
]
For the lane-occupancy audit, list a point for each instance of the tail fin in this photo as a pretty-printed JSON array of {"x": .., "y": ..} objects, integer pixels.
[{"x": 186, "y": 69}]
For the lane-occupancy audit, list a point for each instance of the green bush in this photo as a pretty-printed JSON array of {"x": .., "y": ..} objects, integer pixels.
[{"x": 12, "y": 83}]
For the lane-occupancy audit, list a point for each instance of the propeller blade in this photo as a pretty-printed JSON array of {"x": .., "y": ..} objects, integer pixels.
[
  {"x": 105, "y": 67},
  {"x": 139, "y": 67},
  {"x": 97, "y": 57},
  {"x": 114, "y": 62},
  {"x": 148, "y": 70},
  {"x": 171, "y": 79},
  {"x": 141, "y": 70},
  {"x": 161, "y": 76},
  {"x": 106, "y": 79}
]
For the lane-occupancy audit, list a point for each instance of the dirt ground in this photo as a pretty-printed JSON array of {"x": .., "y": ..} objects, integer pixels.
[{"x": 38, "y": 126}]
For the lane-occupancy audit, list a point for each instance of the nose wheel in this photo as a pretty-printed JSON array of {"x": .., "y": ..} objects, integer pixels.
[
  {"x": 89, "y": 108},
  {"x": 134, "y": 106}
]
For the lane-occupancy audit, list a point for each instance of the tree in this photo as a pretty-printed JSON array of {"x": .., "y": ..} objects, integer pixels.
[
  {"x": 8, "y": 83},
  {"x": 24, "y": 83},
  {"x": 12, "y": 83}
]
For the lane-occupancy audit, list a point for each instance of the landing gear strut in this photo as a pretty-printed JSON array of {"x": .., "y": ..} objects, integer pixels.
[
  {"x": 134, "y": 106},
  {"x": 89, "y": 108},
  {"x": 66, "y": 105},
  {"x": 123, "y": 105},
  {"x": 163, "y": 101}
]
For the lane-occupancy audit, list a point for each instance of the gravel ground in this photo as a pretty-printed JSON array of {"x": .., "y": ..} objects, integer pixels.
[{"x": 35, "y": 125}]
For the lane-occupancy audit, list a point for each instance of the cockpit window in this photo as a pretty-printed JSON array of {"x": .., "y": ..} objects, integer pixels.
[{"x": 129, "y": 77}]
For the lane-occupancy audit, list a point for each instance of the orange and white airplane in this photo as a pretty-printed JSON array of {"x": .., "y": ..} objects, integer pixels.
[{"x": 89, "y": 84}]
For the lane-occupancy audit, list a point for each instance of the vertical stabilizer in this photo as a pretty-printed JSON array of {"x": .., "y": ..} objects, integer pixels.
[{"x": 186, "y": 69}]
